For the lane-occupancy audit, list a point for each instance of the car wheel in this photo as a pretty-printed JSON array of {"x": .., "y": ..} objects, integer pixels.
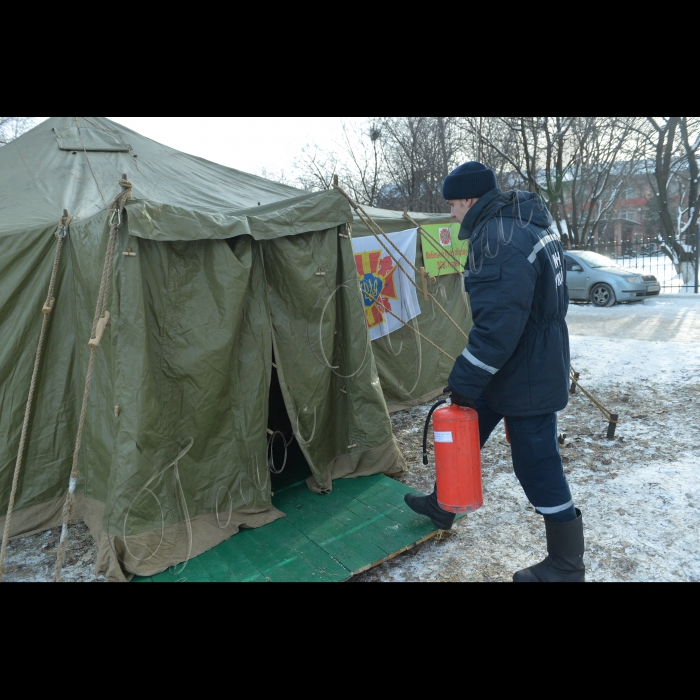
[{"x": 603, "y": 296}]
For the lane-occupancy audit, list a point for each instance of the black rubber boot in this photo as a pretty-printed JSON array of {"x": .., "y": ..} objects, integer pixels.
[
  {"x": 566, "y": 546},
  {"x": 430, "y": 508}
]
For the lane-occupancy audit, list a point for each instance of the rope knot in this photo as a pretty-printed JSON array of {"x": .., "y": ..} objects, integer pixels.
[
  {"x": 120, "y": 201},
  {"x": 63, "y": 224}
]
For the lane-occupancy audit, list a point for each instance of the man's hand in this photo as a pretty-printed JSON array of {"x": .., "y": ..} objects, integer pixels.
[{"x": 461, "y": 401}]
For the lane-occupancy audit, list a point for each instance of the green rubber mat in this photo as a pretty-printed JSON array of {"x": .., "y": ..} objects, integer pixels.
[{"x": 362, "y": 524}]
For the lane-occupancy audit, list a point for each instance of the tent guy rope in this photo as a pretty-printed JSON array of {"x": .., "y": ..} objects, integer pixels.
[
  {"x": 98, "y": 327},
  {"x": 61, "y": 234},
  {"x": 378, "y": 301}
]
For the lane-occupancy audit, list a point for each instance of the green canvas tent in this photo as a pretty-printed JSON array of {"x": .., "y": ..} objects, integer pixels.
[{"x": 222, "y": 282}]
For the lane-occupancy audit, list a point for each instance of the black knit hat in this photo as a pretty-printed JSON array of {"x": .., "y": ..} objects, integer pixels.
[{"x": 470, "y": 181}]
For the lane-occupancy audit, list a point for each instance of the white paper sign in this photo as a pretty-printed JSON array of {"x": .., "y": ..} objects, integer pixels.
[{"x": 444, "y": 438}]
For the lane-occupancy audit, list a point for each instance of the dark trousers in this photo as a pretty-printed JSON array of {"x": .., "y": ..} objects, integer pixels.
[{"x": 537, "y": 461}]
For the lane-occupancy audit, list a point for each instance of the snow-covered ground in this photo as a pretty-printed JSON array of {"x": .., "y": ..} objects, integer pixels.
[
  {"x": 669, "y": 318},
  {"x": 640, "y": 494}
]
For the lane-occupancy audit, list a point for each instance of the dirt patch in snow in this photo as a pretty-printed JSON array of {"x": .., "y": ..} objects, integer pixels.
[{"x": 33, "y": 559}]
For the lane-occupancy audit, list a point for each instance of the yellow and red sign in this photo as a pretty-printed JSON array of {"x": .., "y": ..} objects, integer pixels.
[{"x": 443, "y": 252}]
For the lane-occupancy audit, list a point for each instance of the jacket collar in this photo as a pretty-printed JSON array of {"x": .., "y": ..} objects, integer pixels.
[{"x": 476, "y": 213}]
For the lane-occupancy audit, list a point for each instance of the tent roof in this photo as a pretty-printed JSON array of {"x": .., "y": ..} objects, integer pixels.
[
  {"x": 76, "y": 163},
  {"x": 394, "y": 221}
]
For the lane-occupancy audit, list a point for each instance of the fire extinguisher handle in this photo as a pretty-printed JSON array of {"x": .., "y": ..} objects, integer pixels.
[{"x": 427, "y": 430}]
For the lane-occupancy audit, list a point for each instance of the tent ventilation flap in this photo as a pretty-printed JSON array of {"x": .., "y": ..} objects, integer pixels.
[{"x": 91, "y": 140}]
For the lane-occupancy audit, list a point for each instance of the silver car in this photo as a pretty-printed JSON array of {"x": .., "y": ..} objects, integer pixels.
[{"x": 593, "y": 277}]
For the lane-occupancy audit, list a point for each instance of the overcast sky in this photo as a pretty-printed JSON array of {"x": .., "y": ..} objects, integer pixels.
[{"x": 245, "y": 143}]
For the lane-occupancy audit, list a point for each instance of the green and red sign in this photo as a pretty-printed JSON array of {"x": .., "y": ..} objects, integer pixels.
[{"x": 443, "y": 252}]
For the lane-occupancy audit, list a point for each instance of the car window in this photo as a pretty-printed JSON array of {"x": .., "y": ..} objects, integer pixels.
[
  {"x": 597, "y": 261},
  {"x": 570, "y": 263}
]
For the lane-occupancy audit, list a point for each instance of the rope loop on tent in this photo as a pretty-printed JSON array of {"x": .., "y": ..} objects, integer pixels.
[
  {"x": 61, "y": 235},
  {"x": 147, "y": 488},
  {"x": 184, "y": 448},
  {"x": 419, "y": 352},
  {"x": 216, "y": 508},
  {"x": 300, "y": 437},
  {"x": 331, "y": 296},
  {"x": 258, "y": 479},
  {"x": 271, "y": 453},
  {"x": 260, "y": 482},
  {"x": 389, "y": 348},
  {"x": 350, "y": 286},
  {"x": 99, "y": 325}
]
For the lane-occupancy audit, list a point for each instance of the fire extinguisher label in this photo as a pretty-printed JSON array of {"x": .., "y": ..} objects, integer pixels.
[{"x": 444, "y": 438}]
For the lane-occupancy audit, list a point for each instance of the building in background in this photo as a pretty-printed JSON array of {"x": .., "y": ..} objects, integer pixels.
[{"x": 632, "y": 226}]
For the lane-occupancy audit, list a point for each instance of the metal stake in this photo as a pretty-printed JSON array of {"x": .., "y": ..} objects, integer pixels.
[{"x": 574, "y": 384}]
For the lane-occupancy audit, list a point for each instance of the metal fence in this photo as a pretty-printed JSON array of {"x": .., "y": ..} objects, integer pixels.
[{"x": 647, "y": 258}]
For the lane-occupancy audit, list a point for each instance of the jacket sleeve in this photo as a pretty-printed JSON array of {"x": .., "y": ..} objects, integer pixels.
[{"x": 502, "y": 294}]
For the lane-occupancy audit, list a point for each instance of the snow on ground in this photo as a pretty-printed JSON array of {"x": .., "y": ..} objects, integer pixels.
[
  {"x": 667, "y": 319},
  {"x": 640, "y": 493}
]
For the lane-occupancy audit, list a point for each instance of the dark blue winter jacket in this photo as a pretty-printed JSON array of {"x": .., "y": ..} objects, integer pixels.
[{"x": 518, "y": 356}]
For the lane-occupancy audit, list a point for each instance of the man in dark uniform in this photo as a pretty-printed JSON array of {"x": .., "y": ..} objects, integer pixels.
[{"x": 517, "y": 364}]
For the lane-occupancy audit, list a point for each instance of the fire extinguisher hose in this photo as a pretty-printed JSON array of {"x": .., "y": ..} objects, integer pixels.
[{"x": 427, "y": 430}]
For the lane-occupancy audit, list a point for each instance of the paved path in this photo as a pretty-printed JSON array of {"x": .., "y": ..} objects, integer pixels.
[{"x": 673, "y": 320}]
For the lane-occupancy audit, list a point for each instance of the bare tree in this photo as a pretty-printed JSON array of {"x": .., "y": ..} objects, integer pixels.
[
  {"x": 357, "y": 160},
  {"x": 579, "y": 165},
  {"x": 12, "y": 127},
  {"x": 419, "y": 153},
  {"x": 604, "y": 155},
  {"x": 674, "y": 144},
  {"x": 279, "y": 176},
  {"x": 390, "y": 162}
]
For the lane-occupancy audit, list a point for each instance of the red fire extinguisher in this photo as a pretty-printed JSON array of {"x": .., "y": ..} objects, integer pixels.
[{"x": 457, "y": 458}]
